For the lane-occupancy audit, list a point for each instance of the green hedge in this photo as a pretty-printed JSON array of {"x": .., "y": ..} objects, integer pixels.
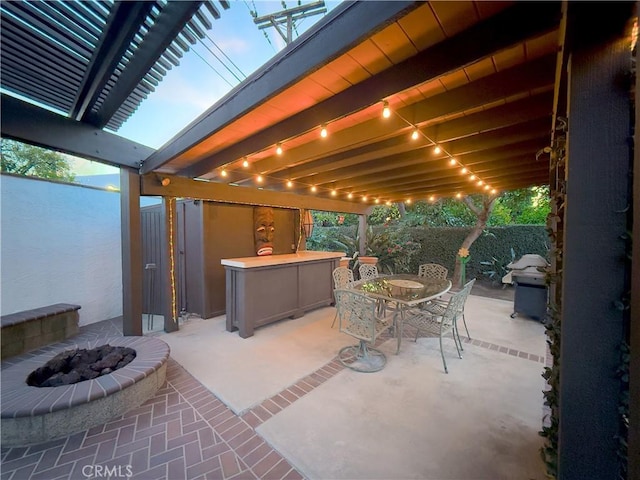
[{"x": 441, "y": 244}]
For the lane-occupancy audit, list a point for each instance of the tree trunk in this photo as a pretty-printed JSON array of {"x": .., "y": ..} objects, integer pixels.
[
  {"x": 482, "y": 213},
  {"x": 401, "y": 209}
]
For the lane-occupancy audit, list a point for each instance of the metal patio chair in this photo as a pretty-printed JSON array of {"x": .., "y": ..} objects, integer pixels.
[
  {"x": 438, "y": 306},
  {"x": 438, "y": 324},
  {"x": 342, "y": 278},
  {"x": 359, "y": 318},
  {"x": 433, "y": 270},
  {"x": 368, "y": 271}
]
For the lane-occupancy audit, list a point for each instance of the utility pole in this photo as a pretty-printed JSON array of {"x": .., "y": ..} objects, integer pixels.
[{"x": 283, "y": 18}]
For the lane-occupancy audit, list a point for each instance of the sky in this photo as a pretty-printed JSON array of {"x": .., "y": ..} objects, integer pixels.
[
  {"x": 190, "y": 89},
  {"x": 200, "y": 80}
]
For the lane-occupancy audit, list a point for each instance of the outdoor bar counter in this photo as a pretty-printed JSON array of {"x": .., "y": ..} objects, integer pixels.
[{"x": 262, "y": 290}]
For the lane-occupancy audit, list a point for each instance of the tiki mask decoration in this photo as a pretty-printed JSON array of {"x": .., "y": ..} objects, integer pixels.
[{"x": 263, "y": 230}]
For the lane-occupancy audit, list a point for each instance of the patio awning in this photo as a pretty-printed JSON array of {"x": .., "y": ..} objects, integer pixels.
[
  {"x": 95, "y": 62},
  {"x": 474, "y": 78}
]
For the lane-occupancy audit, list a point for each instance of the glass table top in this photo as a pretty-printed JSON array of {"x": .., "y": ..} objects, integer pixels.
[{"x": 404, "y": 288}]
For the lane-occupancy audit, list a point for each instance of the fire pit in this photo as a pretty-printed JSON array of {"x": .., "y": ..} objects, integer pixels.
[
  {"x": 79, "y": 365},
  {"x": 32, "y": 414}
]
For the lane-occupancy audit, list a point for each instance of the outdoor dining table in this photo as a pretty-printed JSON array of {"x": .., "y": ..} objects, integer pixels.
[{"x": 405, "y": 291}]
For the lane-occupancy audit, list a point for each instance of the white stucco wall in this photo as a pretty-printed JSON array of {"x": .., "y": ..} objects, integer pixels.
[{"x": 60, "y": 244}]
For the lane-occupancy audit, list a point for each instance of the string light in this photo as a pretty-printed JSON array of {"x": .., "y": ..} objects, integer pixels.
[
  {"x": 408, "y": 201},
  {"x": 432, "y": 198},
  {"x": 388, "y": 203},
  {"x": 415, "y": 134},
  {"x": 223, "y": 173},
  {"x": 386, "y": 111},
  {"x": 171, "y": 204},
  {"x": 458, "y": 195}
]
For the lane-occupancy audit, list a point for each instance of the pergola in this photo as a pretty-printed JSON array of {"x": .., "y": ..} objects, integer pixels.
[{"x": 513, "y": 94}]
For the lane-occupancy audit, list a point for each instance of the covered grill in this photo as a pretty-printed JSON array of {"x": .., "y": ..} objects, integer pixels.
[{"x": 528, "y": 275}]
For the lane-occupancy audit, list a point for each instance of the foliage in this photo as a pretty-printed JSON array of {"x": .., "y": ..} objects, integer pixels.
[
  {"x": 526, "y": 206},
  {"x": 434, "y": 245},
  {"x": 332, "y": 219},
  {"x": 383, "y": 214},
  {"x": 333, "y": 239},
  {"x": 28, "y": 160},
  {"x": 496, "y": 269},
  {"x": 394, "y": 249},
  {"x": 443, "y": 213}
]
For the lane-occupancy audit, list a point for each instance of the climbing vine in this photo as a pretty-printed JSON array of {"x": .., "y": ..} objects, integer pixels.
[{"x": 555, "y": 229}]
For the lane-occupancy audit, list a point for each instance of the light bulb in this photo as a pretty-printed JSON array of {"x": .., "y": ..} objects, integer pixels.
[
  {"x": 388, "y": 203},
  {"x": 432, "y": 198},
  {"x": 223, "y": 173},
  {"x": 350, "y": 195},
  {"x": 289, "y": 184},
  {"x": 480, "y": 183},
  {"x": 437, "y": 150},
  {"x": 364, "y": 198},
  {"x": 408, "y": 201},
  {"x": 323, "y": 131},
  {"x": 464, "y": 170},
  {"x": 333, "y": 193},
  {"x": 472, "y": 178},
  {"x": 386, "y": 111},
  {"x": 259, "y": 179},
  {"x": 313, "y": 188},
  {"x": 487, "y": 187},
  {"x": 245, "y": 163},
  {"x": 279, "y": 149},
  {"x": 377, "y": 200},
  {"x": 452, "y": 161},
  {"x": 458, "y": 195},
  {"x": 415, "y": 134}
]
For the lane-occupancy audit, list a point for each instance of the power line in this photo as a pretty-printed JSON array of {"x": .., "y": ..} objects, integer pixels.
[
  {"x": 212, "y": 68},
  {"x": 225, "y": 55}
]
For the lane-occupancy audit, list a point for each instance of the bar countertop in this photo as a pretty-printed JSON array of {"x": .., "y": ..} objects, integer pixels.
[{"x": 267, "y": 260}]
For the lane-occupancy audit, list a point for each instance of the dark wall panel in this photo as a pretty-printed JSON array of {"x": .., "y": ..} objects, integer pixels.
[
  {"x": 207, "y": 233},
  {"x": 228, "y": 233}
]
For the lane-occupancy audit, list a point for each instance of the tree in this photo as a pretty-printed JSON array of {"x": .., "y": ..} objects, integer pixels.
[
  {"x": 482, "y": 213},
  {"x": 28, "y": 160}
]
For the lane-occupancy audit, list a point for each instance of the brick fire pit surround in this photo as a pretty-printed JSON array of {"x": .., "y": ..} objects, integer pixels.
[{"x": 35, "y": 415}]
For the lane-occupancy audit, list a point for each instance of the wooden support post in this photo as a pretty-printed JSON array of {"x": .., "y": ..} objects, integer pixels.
[{"x": 131, "y": 235}]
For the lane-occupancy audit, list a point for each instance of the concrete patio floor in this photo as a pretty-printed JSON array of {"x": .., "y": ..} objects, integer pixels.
[{"x": 278, "y": 405}]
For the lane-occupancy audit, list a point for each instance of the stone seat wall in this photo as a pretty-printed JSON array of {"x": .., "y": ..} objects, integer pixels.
[{"x": 31, "y": 329}]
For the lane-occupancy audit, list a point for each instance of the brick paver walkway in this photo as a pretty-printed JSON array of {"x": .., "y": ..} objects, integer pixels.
[{"x": 183, "y": 432}]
